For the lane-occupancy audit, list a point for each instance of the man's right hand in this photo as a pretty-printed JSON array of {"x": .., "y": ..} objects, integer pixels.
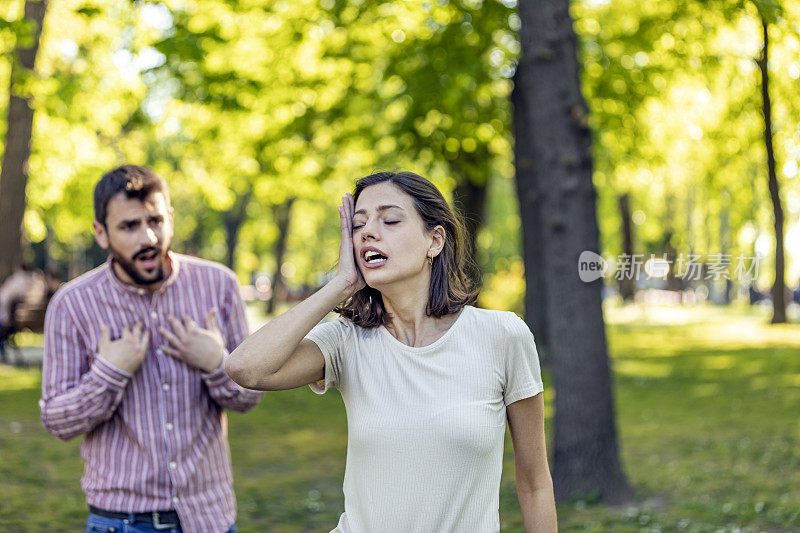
[{"x": 128, "y": 351}]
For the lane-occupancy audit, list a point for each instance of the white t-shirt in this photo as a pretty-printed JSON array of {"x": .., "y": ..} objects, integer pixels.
[{"x": 426, "y": 425}]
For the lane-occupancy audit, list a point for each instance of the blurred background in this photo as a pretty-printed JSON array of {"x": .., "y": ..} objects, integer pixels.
[{"x": 261, "y": 114}]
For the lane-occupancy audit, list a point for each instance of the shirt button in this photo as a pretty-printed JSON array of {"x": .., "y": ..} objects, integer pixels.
[
  {"x": 159, "y": 351},
  {"x": 175, "y": 499},
  {"x": 153, "y": 314},
  {"x": 169, "y": 426},
  {"x": 165, "y": 386},
  {"x": 140, "y": 291},
  {"x": 173, "y": 465}
]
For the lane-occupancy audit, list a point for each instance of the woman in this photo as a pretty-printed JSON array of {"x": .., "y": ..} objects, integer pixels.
[{"x": 428, "y": 381}]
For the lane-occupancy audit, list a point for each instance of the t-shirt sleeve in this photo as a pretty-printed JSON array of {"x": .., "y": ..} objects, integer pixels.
[
  {"x": 523, "y": 374},
  {"x": 329, "y": 337}
]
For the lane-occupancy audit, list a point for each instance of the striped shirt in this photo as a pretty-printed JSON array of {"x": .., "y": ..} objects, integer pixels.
[{"x": 157, "y": 439}]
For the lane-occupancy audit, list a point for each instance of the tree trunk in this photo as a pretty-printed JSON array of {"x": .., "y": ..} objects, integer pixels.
[
  {"x": 530, "y": 217},
  {"x": 673, "y": 281},
  {"x": 233, "y": 220},
  {"x": 282, "y": 219},
  {"x": 779, "y": 287},
  {"x": 14, "y": 172},
  {"x": 627, "y": 285},
  {"x": 724, "y": 240},
  {"x": 194, "y": 243},
  {"x": 470, "y": 199},
  {"x": 586, "y": 457}
]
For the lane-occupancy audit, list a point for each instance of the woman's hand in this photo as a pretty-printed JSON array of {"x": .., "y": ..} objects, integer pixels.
[
  {"x": 278, "y": 356},
  {"x": 348, "y": 271}
]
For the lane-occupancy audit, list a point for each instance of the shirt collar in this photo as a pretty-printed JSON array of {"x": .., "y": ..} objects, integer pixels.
[{"x": 172, "y": 257}]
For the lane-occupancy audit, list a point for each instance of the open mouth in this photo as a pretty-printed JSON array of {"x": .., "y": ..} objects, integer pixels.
[
  {"x": 373, "y": 258},
  {"x": 148, "y": 259}
]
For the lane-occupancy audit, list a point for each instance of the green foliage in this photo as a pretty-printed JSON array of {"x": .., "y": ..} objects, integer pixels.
[
  {"x": 675, "y": 103},
  {"x": 244, "y": 105}
]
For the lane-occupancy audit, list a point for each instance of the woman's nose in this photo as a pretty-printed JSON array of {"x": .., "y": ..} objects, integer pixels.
[{"x": 367, "y": 232}]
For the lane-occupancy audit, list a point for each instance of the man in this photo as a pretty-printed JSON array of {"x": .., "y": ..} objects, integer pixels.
[{"x": 133, "y": 359}]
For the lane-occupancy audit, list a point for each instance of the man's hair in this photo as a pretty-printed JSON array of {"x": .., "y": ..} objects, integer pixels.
[
  {"x": 134, "y": 180},
  {"x": 450, "y": 287}
]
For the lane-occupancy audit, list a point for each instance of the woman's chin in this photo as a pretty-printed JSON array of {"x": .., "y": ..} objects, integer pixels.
[{"x": 376, "y": 280}]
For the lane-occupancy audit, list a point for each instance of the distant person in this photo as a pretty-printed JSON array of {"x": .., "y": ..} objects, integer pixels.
[
  {"x": 754, "y": 294},
  {"x": 133, "y": 357},
  {"x": 428, "y": 381},
  {"x": 25, "y": 285}
]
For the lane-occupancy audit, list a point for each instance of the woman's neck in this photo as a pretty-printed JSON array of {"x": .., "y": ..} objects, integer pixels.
[{"x": 408, "y": 318}]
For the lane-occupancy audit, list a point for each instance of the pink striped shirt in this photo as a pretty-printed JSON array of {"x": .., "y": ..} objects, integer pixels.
[{"x": 155, "y": 440}]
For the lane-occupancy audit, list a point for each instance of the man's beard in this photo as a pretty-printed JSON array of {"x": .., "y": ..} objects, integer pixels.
[{"x": 129, "y": 265}]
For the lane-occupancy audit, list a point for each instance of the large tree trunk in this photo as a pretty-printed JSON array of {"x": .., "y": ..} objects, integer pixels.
[
  {"x": 14, "y": 172},
  {"x": 586, "y": 457},
  {"x": 627, "y": 285},
  {"x": 530, "y": 216},
  {"x": 283, "y": 218},
  {"x": 779, "y": 287}
]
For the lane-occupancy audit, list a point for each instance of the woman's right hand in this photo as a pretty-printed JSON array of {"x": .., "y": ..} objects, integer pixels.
[{"x": 348, "y": 272}]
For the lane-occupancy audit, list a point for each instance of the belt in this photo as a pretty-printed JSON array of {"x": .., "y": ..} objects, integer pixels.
[{"x": 159, "y": 519}]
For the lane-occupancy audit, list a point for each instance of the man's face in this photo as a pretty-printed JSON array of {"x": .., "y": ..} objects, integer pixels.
[{"x": 138, "y": 234}]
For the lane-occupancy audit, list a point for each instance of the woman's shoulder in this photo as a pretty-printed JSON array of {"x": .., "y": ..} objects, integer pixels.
[
  {"x": 347, "y": 329},
  {"x": 491, "y": 322},
  {"x": 504, "y": 319}
]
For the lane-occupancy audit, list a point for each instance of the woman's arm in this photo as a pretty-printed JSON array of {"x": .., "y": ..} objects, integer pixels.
[
  {"x": 276, "y": 356},
  {"x": 534, "y": 484}
]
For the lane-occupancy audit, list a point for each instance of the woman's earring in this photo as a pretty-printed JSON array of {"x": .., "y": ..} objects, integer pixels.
[{"x": 430, "y": 260}]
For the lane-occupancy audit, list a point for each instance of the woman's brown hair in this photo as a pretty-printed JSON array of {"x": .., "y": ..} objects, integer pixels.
[{"x": 451, "y": 287}]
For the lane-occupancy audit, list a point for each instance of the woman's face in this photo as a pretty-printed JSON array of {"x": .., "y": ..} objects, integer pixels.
[{"x": 389, "y": 237}]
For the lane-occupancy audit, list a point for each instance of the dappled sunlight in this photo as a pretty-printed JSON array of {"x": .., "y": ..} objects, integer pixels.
[
  {"x": 706, "y": 390},
  {"x": 678, "y": 329},
  {"x": 769, "y": 382},
  {"x": 718, "y": 362},
  {"x": 634, "y": 368},
  {"x": 305, "y": 441},
  {"x": 15, "y": 379}
]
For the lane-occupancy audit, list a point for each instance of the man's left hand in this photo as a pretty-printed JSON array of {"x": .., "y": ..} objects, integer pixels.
[{"x": 198, "y": 347}]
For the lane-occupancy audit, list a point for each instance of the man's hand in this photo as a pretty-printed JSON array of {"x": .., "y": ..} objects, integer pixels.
[
  {"x": 126, "y": 353},
  {"x": 198, "y": 347}
]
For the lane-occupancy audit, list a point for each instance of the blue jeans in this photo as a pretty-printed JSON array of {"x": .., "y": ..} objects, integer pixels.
[{"x": 101, "y": 524}]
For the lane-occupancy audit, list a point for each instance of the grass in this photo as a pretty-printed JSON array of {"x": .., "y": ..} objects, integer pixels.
[{"x": 707, "y": 413}]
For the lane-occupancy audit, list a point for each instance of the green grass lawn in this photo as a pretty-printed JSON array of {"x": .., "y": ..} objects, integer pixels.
[{"x": 707, "y": 408}]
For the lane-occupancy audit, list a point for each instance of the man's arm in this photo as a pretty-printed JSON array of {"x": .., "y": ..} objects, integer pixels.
[
  {"x": 76, "y": 396},
  {"x": 234, "y": 329}
]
